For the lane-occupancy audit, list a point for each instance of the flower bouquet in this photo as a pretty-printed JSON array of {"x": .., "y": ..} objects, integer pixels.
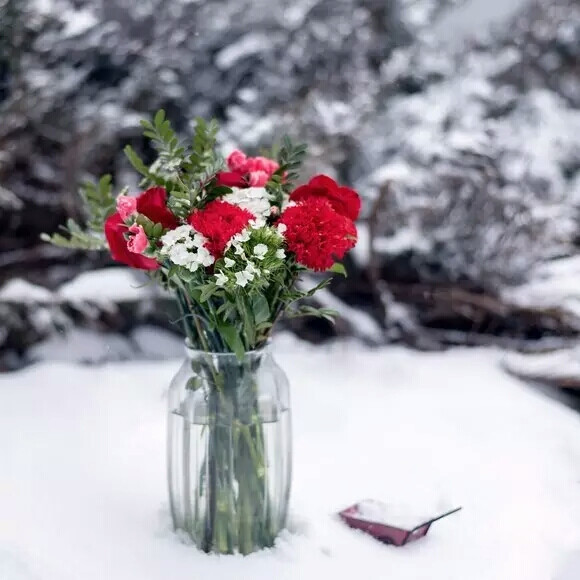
[{"x": 229, "y": 239}]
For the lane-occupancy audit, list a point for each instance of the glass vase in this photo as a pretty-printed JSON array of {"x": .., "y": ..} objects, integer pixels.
[{"x": 229, "y": 450}]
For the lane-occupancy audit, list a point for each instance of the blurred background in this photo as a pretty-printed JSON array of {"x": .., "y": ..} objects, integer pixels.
[{"x": 458, "y": 121}]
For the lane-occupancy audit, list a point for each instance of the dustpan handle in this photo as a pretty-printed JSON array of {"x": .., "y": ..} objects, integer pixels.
[{"x": 429, "y": 522}]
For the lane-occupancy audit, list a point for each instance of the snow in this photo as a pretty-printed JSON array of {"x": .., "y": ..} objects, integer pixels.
[
  {"x": 361, "y": 253},
  {"x": 561, "y": 364},
  {"x": 21, "y": 291},
  {"x": 473, "y": 16},
  {"x": 248, "y": 45},
  {"x": 404, "y": 517},
  {"x": 405, "y": 239},
  {"x": 363, "y": 325},
  {"x": 83, "y": 473},
  {"x": 105, "y": 286},
  {"x": 43, "y": 6},
  {"x": 78, "y": 22},
  {"x": 552, "y": 285},
  {"x": 81, "y": 345},
  {"x": 88, "y": 346},
  {"x": 13, "y": 568}
]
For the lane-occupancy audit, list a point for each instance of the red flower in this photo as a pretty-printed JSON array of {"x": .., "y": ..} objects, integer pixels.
[
  {"x": 218, "y": 221},
  {"x": 231, "y": 179},
  {"x": 153, "y": 204},
  {"x": 115, "y": 230},
  {"x": 343, "y": 200},
  {"x": 317, "y": 234},
  {"x": 247, "y": 171}
]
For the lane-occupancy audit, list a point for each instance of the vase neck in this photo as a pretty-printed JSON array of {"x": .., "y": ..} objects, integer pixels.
[{"x": 227, "y": 358}]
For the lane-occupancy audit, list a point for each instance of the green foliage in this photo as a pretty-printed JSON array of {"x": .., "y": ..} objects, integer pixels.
[
  {"x": 326, "y": 313},
  {"x": 338, "y": 268},
  {"x": 216, "y": 318},
  {"x": 260, "y": 309},
  {"x": 99, "y": 202},
  {"x": 232, "y": 339},
  {"x": 289, "y": 157},
  {"x": 76, "y": 238},
  {"x": 186, "y": 172},
  {"x": 137, "y": 163}
]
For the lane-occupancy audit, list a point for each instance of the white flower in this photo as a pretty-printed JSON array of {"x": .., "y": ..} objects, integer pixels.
[
  {"x": 229, "y": 262},
  {"x": 221, "y": 279},
  {"x": 198, "y": 240},
  {"x": 237, "y": 240},
  {"x": 242, "y": 278},
  {"x": 180, "y": 255},
  {"x": 185, "y": 247},
  {"x": 204, "y": 257},
  {"x": 260, "y": 251},
  {"x": 281, "y": 229},
  {"x": 179, "y": 234},
  {"x": 243, "y": 236},
  {"x": 255, "y": 199},
  {"x": 287, "y": 203},
  {"x": 257, "y": 223},
  {"x": 280, "y": 254},
  {"x": 251, "y": 270}
]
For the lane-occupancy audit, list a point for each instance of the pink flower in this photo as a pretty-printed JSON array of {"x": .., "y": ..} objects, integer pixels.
[
  {"x": 126, "y": 206},
  {"x": 269, "y": 166},
  {"x": 258, "y": 178},
  {"x": 246, "y": 171},
  {"x": 237, "y": 161},
  {"x": 138, "y": 242}
]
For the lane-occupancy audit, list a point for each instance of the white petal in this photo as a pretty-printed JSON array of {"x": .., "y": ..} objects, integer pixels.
[
  {"x": 241, "y": 279},
  {"x": 221, "y": 279},
  {"x": 260, "y": 250}
]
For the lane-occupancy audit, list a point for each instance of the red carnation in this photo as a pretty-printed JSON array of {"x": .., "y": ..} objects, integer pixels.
[
  {"x": 231, "y": 179},
  {"x": 153, "y": 204},
  {"x": 247, "y": 171},
  {"x": 317, "y": 234},
  {"x": 115, "y": 230},
  {"x": 343, "y": 200},
  {"x": 218, "y": 221}
]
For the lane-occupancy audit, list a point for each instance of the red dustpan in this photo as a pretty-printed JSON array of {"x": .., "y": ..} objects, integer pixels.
[{"x": 354, "y": 517}]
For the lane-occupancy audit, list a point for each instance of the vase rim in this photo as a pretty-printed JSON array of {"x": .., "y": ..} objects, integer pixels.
[{"x": 193, "y": 352}]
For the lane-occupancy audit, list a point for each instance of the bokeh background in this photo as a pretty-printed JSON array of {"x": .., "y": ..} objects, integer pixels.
[{"x": 457, "y": 121}]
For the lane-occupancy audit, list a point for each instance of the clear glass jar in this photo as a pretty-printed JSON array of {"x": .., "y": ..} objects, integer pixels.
[{"x": 229, "y": 450}]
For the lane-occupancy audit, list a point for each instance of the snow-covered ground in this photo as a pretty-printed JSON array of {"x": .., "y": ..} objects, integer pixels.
[{"x": 82, "y": 471}]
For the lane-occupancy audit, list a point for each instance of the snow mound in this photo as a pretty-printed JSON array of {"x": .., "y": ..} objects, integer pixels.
[
  {"x": 83, "y": 490},
  {"x": 106, "y": 285},
  {"x": 21, "y": 291}
]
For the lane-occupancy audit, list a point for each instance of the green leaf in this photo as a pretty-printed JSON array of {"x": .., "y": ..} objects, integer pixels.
[
  {"x": 157, "y": 230},
  {"x": 260, "y": 309},
  {"x": 338, "y": 268},
  {"x": 147, "y": 225},
  {"x": 136, "y": 161},
  {"x": 193, "y": 383},
  {"x": 207, "y": 291},
  {"x": 232, "y": 339},
  {"x": 316, "y": 288},
  {"x": 326, "y": 313},
  {"x": 159, "y": 118},
  {"x": 77, "y": 238}
]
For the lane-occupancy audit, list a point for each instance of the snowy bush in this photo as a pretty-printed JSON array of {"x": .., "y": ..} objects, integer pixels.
[{"x": 481, "y": 146}]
